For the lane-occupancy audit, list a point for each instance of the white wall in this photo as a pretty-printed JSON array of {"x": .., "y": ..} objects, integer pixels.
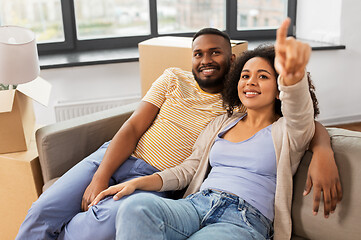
[
  {"x": 336, "y": 73},
  {"x": 88, "y": 83},
  {"x": 319, "y": 20}
]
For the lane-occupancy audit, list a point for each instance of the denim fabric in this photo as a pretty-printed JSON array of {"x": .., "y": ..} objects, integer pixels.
[
  {"x": 207, "y": 215},
  {"x": 57, "y": 213}
]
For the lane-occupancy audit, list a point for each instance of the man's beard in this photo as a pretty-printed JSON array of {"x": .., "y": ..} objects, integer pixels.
[
  {"x": 214, "y": 83},
  {"x": 207, "y": 83}
]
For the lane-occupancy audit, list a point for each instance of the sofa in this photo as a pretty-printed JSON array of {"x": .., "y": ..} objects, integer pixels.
[{"x": 63, "y": 144}]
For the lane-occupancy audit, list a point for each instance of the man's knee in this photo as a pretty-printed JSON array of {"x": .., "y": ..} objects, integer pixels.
[
  {"x": 34, "y": 224},
  {"x": 36, "y": 210},
  {"x": 96, "y": 223}
]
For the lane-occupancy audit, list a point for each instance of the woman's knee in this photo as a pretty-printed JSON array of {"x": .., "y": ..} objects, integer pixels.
[{"x": 136, "y": 206}]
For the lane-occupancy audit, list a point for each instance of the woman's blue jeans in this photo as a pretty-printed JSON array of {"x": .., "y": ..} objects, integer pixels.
[
  {"x": 57, "y": 213},
  {"x": 204, "y": 215}
]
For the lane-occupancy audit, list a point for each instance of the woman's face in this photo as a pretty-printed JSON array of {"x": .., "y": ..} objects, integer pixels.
[{"x": 257, "y": 86}]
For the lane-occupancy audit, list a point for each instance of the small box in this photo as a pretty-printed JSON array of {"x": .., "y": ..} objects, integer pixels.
[
  {"x": 158, "y": 54},
  {"x": 17, "y": 119}
]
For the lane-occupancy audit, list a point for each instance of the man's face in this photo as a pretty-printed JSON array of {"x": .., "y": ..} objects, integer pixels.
[{"x": 211, "y": 61}]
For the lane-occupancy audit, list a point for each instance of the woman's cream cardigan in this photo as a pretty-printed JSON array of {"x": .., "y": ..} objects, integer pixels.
[{"x": 291, "y": 135}]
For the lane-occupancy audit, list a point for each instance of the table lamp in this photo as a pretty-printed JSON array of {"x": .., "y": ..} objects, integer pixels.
[
  {"x": 19, "y": 64},
  {"x": 19, "y": 61}
]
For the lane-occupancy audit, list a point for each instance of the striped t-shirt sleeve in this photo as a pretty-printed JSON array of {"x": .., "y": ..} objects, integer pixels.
[{"x": 156, "y": 94}]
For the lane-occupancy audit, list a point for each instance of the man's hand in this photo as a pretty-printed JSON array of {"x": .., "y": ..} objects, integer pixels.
[
  {"x": 119, "y": 150},
  {"x": 323, "y": 176},
  {"x": 94, "y": 188}
]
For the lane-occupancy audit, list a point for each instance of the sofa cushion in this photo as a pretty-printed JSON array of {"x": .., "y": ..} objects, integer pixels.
[{"x": 345, "y": 222}]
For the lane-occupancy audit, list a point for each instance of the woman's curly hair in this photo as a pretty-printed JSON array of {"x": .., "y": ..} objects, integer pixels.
[{"x": 230, "y": 90}]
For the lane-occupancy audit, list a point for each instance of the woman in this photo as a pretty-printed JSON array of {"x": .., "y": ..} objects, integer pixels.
[{"x": 253, "y": 157}]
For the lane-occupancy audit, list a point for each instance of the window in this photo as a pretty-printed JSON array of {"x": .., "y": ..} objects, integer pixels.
[
  {"x": 43, "y": 17},
  {"x": 190, "y": 16},
  {"x": 261, "y": 13},
  {"x": 242, "y": 21},
  {"x": 111, "y": 18},
  {"x": 266, "y": 22},
  {"x": 78, "y": 25}
]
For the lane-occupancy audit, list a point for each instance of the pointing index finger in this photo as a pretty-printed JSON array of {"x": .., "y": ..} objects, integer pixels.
[{"x": 282, "y": 32}]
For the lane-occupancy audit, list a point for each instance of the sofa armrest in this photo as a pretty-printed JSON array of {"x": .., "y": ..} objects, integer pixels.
[
  {"x": 64, "y": 144},
  {"x": 344, "y": 223}
]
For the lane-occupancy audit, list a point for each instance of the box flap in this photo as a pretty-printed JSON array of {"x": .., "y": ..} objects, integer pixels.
[
  {"x": 182, "y": 42},
  {"x": 6, "y": 100},
  {"x": 237, "y": 42},
  {"x": 38, "y": 89}
]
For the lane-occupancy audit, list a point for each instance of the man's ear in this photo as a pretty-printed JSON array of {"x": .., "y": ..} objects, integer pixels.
[{"x": 233, "y": 57}]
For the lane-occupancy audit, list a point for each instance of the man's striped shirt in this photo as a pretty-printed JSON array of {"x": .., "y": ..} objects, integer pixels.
[{"x": 185, "y": 110}]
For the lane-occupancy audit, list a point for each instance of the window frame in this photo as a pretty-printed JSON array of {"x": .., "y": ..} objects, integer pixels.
[{"x": 72, "y": 44}]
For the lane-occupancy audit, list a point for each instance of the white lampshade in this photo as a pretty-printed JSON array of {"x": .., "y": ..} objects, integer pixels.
[{"x": 19, "y": 61}]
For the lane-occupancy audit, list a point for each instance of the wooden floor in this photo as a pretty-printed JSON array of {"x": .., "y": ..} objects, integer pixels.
[{"x": 351, "y": 126}]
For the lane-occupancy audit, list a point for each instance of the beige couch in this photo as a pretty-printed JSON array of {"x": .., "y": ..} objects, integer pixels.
[{"x": 64, "y": 144}]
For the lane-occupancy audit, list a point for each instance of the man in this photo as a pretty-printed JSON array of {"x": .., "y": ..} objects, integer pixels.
[{"x": 160, "y": 134}]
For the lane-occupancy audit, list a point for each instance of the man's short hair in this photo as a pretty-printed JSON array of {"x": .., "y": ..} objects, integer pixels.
[{"x": 213, "y": 31}]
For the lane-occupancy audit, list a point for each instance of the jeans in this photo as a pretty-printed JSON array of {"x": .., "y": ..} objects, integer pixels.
[
  {"x": 204, "y": 215},
  {"x": 57, "y": 213}
]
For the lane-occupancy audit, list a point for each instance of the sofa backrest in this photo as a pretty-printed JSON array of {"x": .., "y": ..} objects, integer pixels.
[
  {"x": 345, "y": 222},
  {"x": 64, "y": 144}
]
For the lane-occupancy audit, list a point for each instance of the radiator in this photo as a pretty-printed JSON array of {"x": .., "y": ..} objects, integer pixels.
[{"x": 67, "y": 110}]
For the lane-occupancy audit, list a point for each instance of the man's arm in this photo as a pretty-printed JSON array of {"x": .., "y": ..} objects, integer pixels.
[
  {"x": 323, "y": 173},
  {"x": 120, "y": 148}
]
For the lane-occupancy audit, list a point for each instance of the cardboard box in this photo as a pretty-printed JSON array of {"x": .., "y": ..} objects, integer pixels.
[
  {"x": 22, "y": 182},
  {"x": 17, "y": 119},
  {"x": 158, "y": 54}
]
